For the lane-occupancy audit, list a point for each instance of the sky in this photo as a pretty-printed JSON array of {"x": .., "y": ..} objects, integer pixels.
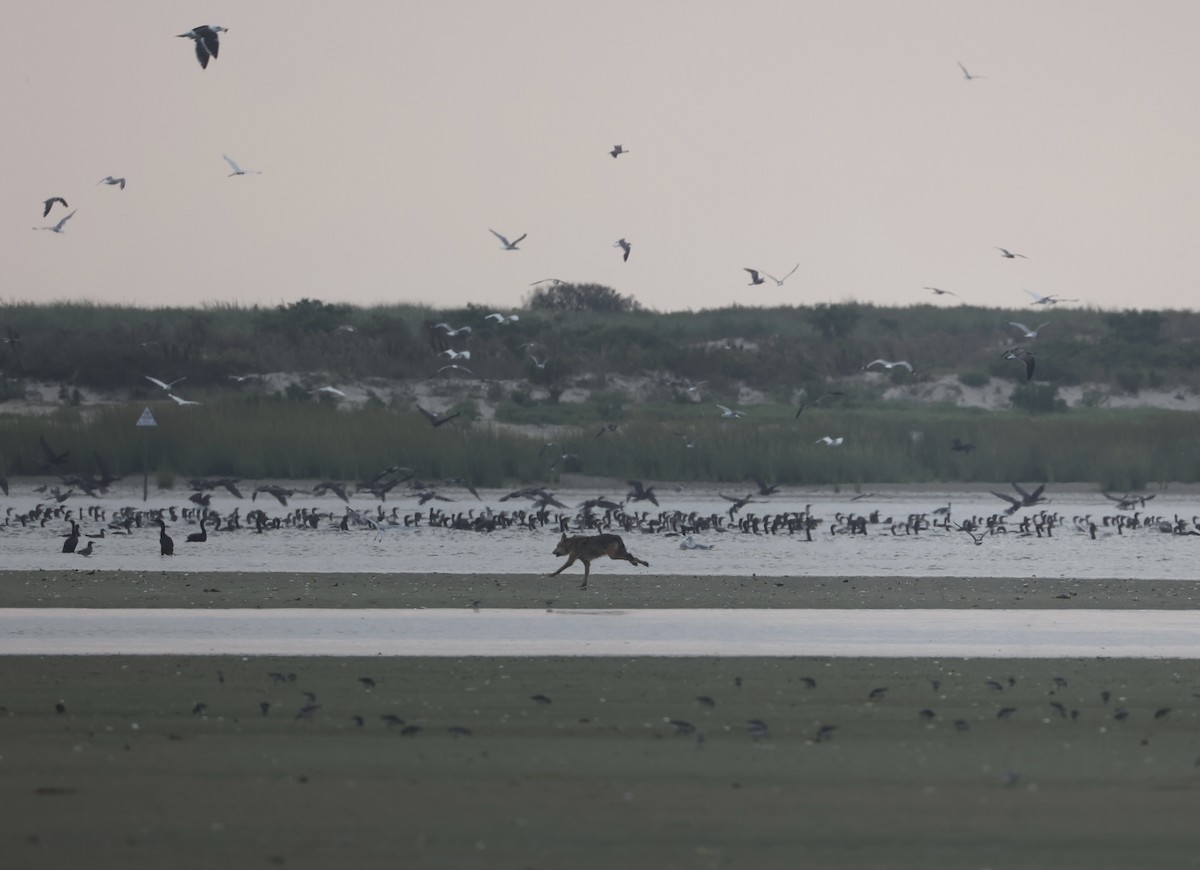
[{"x": 842, "y": 137}]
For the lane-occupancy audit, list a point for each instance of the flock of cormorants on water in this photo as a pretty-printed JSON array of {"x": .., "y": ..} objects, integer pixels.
[{"x": 752, "y": 513}]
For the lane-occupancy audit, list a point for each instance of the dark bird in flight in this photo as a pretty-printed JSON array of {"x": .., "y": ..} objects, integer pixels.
[
  {"x": 1009, "y": 255},
  {"x": 961, "y": 446},
  {"x": 53, "y": 460},
  {"x": 1022, "y": 355},
  {"x": 109, "y": 180},
  {"x": 1027, "y": 499},
  {"x": 624, "y": 246},
  {"x": 617, "y": 151},
  {"x": 938, "y": 291},
  {"x": 436, "y": 420},
  {"x": 208, "y": 43},
  {"x": 755, "y": 278},
  {"x": 816, "y": 402},
  {"x": 968, "y": 76},
  {"x": 49, "y": 204}
]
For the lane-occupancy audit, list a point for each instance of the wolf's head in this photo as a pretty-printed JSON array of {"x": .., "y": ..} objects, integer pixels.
[{"x": 562, "y": 549}]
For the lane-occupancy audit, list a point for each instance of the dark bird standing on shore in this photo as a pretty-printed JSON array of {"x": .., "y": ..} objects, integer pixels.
[{"x": 166, "y": 545}]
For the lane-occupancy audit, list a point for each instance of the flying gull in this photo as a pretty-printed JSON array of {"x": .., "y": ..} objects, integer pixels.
[
  {"x": 49, "y": 204},
  {"x": 1029, "y": 332},
  {"x": 1052, "y": 299},
  {"x": 58, "y": 227},
  {"x": 1009, "y": 255},
  {"x": 207, "y": 41},
  {"x": 108, "y": 179},
  {"x": 162, "y": 385},
  {"x": 508, "y": 246},
  {"x": 624, "y": 246},
  {"x": 237, "y": 170},
  {"x": 779, "y": 281},
  {"x": 890, "y": 365},
  {"x": 617, "y": 151},
  {"x": 1022, "y": 355},
  {"x": 968, "y": 75}
]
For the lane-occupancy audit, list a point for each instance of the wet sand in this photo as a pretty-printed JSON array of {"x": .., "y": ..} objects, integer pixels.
[
  {"x": 99, "y": 588},
  {"x": 168, "y": 761}
]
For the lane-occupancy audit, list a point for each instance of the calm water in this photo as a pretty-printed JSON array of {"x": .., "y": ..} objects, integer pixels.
[
  {"x": 937, "y": 552},
  {"x": 461, "y": 632}
]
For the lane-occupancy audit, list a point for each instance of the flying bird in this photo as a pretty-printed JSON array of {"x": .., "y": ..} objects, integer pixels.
[
  {"x": 451, "y": 331},
  {"x": 49, "y": 204},
  {"x": 333, "y": 391},
  {"x": 624, "y": 246},
  {"x": 208, "y": 43},
  {"x": 1052, "y": 299},
  {"x": 968, "y": 75},
  {"x": 617, "y": 151},
  {"x": 938, "y": 291},
  {"x": 508, "y": 246},
  {"x": 452, "y": 354},
  {"x": 455, "y": 366},
  {"x": 161, "y": 385},
  {"x": 179, "y": 401},
  {"x": 502, "y": 318},
  {"x": 830, "y": 441},
  {"x": 754, "y": 277},
  {"x": 1009, "y": 255},
  {"x": 58, "y": 227},
  {"x": 436, "y": 420},
  {"x": 779, "y": 281},
  {"x": 816, "y": 402},
  {"x": 1028, "y": 331},
  {"x": 1022, "y": 355},
  {"x": 890, "y": 365},
  {"x": 237, "y": 170},
  {"x": 729, "y": 413},
  {"x": 109, "y": 180}
]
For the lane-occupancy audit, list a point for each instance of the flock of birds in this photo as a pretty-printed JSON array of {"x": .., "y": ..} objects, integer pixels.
[{"x": 543, "y": 509}]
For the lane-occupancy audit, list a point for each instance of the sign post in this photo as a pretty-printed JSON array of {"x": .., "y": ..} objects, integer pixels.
[{"x": 146, "y": 422}]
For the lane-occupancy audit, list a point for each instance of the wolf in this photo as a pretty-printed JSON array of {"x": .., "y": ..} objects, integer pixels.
[{"x": 585, "y": 548}]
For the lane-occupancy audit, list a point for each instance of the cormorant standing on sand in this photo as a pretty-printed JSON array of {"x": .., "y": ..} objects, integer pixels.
[{"x": 165, "y": 544}]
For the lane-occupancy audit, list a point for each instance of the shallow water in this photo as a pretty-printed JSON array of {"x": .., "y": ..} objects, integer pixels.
[
  {"x": 499, "y": 632},
  {"x": 935, "y": 552}
]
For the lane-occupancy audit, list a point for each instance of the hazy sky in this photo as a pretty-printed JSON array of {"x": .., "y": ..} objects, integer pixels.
[{"x": 391, "y": 136}]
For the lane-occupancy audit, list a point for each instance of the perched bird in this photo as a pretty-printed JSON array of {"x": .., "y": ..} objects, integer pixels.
[
  {"x": 166, "y": 545},
  {"x": 109, "y": 180},
  {"x": 508, "y": 246},
  {"x": 207, "y": 41},
  {"x": 889, "y": 365},
  {"x": 1028, "y": 331},
  {"x": 86, "y": 551},
  {"x": 624, "y": 246},
  {"x": 617, "y": 151},
  {"x": 1022, "y": 355},
  {"x": 1009, "y": 255},
  {"x": 49, "y": 204},
  {"x": 968, "y": 76},
  {"x": 58, "y": 227},
  {"x": 237, "y": 170}
]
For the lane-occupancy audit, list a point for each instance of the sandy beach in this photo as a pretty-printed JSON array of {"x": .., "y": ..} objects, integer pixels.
[{"x": 171, "y": 761}]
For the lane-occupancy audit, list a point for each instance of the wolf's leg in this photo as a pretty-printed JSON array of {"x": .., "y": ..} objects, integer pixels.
[{"x": 566, "y": 565}]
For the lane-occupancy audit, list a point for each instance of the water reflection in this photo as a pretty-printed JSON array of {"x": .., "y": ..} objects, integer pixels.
[{"x": 462, "y": 632}]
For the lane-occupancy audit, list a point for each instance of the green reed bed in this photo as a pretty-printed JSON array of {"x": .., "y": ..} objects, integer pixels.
[{"x": 280, "y": 439}]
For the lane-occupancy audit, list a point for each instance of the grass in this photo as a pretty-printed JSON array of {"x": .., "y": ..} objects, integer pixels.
[{"x": 266, "y": 438}]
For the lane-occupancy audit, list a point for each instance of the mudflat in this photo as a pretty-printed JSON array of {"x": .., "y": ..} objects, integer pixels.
[
  {"x": 101, "y": 589},
  {"x": 538, "y": 762},
  {"x": 552, "y": 762}
]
